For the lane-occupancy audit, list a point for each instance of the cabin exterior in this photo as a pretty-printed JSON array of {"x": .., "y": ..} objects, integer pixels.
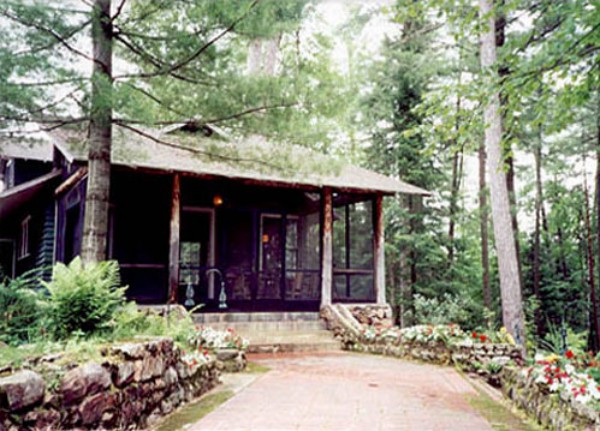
[{"x": 191, "y": 224}]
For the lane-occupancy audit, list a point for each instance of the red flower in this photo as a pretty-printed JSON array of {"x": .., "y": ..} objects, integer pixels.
[
  {"x": 569, "y": 354},
  {"x": 474, "y": 334},
  {"x": 483, "y": 338}
]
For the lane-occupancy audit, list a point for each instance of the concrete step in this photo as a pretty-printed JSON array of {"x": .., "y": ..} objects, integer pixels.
[
  {"x": 305, "y": 341},
  {"x": 275, "y": 332},
  {"x": 209, "y": 318},
  {"x": 257, "y": 327}
]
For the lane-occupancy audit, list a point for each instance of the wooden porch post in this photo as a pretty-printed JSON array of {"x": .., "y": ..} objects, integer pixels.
[
  {"x": 326, "y": 247},
  {"x": 174, "y": 239},
  {"x": 379, "y": 249}
]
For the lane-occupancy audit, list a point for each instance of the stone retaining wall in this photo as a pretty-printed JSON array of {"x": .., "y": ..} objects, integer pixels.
[
  {"x": 371, "y": 314},
  {"x": 550, "y": 410},
  {"x": 499, "y": 364},
  {"x": 129, "y": 387}
]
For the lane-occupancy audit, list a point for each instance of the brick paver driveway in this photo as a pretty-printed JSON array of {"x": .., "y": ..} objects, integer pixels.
[{"x": 343, "y": 391}]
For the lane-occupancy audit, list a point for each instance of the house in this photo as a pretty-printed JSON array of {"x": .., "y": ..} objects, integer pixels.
[{"x": 198, "y": 218}]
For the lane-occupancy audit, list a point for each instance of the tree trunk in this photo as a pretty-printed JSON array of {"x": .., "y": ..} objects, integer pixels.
[
  {"x": 455, "y": 183},
  {"x": 537, "y": 273},
  {"x": 508, "y": 267},
  {"x": 595, "y": 325},
  {"x": 262, "y": 55},
  {"x": 2, "y": 175},
  {"x": 512, "y": 199},
  {"x": 483, "y": 222},
  {"x": 95, "y": 227},
  {"x": 503, "y": 72}
]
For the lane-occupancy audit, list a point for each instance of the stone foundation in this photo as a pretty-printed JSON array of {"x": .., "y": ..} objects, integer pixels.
[{"x": 129, "y": 387}]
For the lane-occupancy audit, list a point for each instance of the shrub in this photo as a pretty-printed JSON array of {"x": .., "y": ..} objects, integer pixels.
[
  {"x": 21, "y": 308},
  {"x": 83, "y": 299},
  {"x": 449, "y": 308}
]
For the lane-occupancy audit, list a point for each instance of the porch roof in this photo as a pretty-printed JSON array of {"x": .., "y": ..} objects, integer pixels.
[
  {"x": 14, "y": 198},
  {"x": 252, "y": 158}
]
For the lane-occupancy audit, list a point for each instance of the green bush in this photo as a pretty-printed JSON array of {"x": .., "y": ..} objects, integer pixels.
[
  {"x": 83, "y": 299},
  {"x": 130, "y": 322},
  {"x": 461, "y": 310},
  {"x": 21, "y": 309}
]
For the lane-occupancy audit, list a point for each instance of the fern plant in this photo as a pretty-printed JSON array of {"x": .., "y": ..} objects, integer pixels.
[
  {"x": 21, "y": 308},
  {"x": 83, "y": 298}
]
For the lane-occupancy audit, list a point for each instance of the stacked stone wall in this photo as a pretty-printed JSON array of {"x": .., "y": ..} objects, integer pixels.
[{"x": 129, "y": 386}]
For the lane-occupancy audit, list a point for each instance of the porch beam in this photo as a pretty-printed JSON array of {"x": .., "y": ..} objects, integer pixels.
[
  {"x": 174, "y": 239},
  {"x": 327, "y": 247},
  {"x": 379, "y": 249}
]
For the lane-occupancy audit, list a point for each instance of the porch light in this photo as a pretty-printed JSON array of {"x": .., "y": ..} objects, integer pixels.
[
  {"x": 265, "y": 238},
  {"x": 217, "y": 200}
]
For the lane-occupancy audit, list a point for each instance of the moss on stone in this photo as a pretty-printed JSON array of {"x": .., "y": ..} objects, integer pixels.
[
  {"x": 193, "y": 412},
  {"x": 255, "y": 368},
  {"x": 498, "y": 415}
]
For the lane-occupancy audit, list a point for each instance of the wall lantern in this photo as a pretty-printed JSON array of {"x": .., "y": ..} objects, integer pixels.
[{"x": 217, "y": 200}]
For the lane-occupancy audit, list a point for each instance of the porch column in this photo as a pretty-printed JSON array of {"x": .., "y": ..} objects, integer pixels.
[
  {"x": 326, "y": 247},
  {"x": 379, "y": 249},
  {"x": 174, "y": 239}
]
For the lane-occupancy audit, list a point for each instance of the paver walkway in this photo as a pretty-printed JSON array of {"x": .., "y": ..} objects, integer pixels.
[{"x": 343, "y": 391}]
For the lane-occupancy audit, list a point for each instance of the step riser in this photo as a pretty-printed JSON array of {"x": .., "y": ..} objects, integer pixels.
[
  {"x": 289, "y": 348},
  {"x": 257, "y": 327},
  {"x": 210, "y": 318},
  {"x": 275, "y": 332}
]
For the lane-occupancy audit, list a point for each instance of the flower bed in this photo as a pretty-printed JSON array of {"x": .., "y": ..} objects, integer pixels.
[{"x": 229, "y": 347}]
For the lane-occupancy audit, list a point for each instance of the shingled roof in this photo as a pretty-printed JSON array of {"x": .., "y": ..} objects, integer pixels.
[{"x": 176, "y": 150}]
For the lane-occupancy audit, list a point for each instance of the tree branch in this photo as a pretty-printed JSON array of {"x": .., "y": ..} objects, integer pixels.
[
  {"x": 59, "y": 38},
  {"x": 153, "y": 61},
  {"x": 119, "y": 10},
  {"x": 51, "y": 45},
  {"x": 215, "y": 120},
  {"x": 172, "y": 68},
  {"x": 154, "y": 98}
]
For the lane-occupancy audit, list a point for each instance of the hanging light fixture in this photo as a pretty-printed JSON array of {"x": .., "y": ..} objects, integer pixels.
[{"x": 217, "y": 200}]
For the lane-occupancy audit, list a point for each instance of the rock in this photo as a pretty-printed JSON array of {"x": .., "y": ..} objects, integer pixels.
[
  {"x": 123, "y": 374},
  {"x": 171, "y": 377},
  {"x": 85, "y": 380},
  {"x": 22, "y": 389},
  {"x": 166, "y": 407},
  {"x": 227, "y": 354},
  {"x": 130, "y": 350},
  {"x": 152, "y": 366},
  {"x": 43, "y": 419},
  {"x": 500, "y": 360},
  {"x": 92, "y": 408}
]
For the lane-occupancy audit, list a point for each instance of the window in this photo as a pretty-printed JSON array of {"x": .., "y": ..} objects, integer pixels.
[
  {"x": 24, "y": 239},
  {"x": 353, "y": 257}
]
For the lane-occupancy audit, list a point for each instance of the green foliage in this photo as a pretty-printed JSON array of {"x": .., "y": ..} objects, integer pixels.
[
  {"x": 83, "y": 299},
  {"x": 461, "y": 310},
  {"x": 553, "y": 340},
  {"x": 130, "y": 322},
  {"x": 21, "y": 309}
]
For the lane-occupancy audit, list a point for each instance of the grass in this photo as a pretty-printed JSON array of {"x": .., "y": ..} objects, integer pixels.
[
  {"x": 255, "y": 368},
  {"x": 193, "y": 412},
  {"x": 499, "y": 416}
]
